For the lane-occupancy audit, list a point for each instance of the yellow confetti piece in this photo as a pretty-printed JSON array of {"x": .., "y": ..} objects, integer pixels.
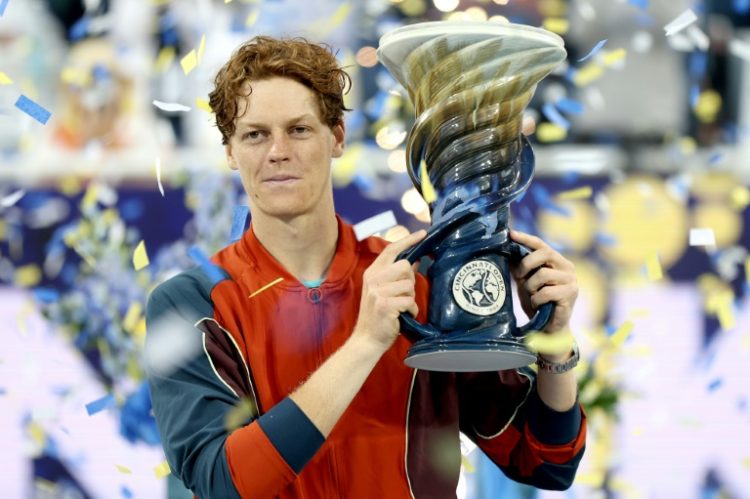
[
  {"x": 273, "y": 283},
  {"x": 428, "y": 191},
  {"x": 341, "y": 14},
  {"x": 90, "y": 197},
  {"x": 747, "y": 270},
  {"x": 162, "y": 470},
  {"x": 70, "y": 185},
  {"x": 243, "y": 411},
  {"x": 123, "y": 469},
  {"x": 27, "y": 276},
  {"x": 189, "y": 62},
  {"x": 227, "y": 1},
  {"x": 140, "y": 257},
  {"x": 622, "y": 333},
  {"x": 653, "y": 268},
  {"x": 615, "y": 56},
  {"x": 37, "y": 434},
  {"x": 252, "y": 18},
  {"x": 557, "y": 25},
  {"x": 592, "y": 478},
  {"x": 549, "y": 132},
  {"x": 587, "y": 74},
  {"x": 201, "y": 48},
  {"x": 688, "y": 145},
  {"x": 139, "y": 332},
  {"x": 5, "y": 79},
  {"x": 550, "y": 344},
  {"x": 726, "y": 317},
  {"x": 467, "y": 465},
  {"x": 573, "y": 194},
  {"x": 75, "y": 76},
  {"x": 740, "y": 197},
  {"x": 164, "y": 59},
  {"x": 708, "y": 106},
  {"x": 746, "y": 462},
  {"x": 203, "y": 104},
  {"x": 132, "y": 316}
]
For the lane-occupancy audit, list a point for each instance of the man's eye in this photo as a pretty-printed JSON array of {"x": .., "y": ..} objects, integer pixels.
[
  {"x": 300, "y": 130},
  {"x": 252, "y": 135}
]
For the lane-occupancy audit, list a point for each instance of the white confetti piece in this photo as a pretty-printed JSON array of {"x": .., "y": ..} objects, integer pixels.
[
  {"x": 158, "y": 176},
  {"x": 740, "y": 48},
  {"x": 375, "y": 224},
  {"x": 171, "y": 107},
  {"x": 702, "y": 237},
  {"x": 12, "y": 199},
  {"x": 698, "y": 37},
  {"x": 171, "y": 343},
  {"x": 680, "y": 22}
]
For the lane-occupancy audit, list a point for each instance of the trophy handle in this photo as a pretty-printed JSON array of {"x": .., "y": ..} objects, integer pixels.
[{"x": 543, "y": 313}]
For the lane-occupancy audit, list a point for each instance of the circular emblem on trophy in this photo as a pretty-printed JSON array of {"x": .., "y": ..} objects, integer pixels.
[{"x": 479, "y": 287}]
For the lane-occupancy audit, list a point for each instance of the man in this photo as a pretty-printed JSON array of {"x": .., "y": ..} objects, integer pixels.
[{"x": 304, "y": 323}]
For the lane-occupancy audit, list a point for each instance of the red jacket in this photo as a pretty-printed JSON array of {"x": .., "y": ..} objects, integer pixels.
[{"x": 399, "y": 438}]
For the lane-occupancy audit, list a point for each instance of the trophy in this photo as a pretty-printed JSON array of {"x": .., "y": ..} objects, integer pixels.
[{"x": 470, "y": 83}]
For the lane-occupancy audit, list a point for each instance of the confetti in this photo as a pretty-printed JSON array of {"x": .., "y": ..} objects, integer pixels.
[
  {"x": 622, "y": 333},
  {"x": 373, "y": 225},
  {"x": 46, "y": 295},
  {"x": 740, "y": 48},
  {"x": 580, "y": 193},
  {"x": 428, "y": 191},
  {"x": 171, "y": 107},
  {"x": 100, "y": 404},
  {"x": 27, "y": 275},
  {"x": 239, "y": 220},
  {"x": 33, "y": 109},
  {"x": 551, "y": 344},
  {"x": 615, "y": 56},
  {"x": 189, "y": 62},
  {"x": 123, "y": 469},
  {"x": 747, "y": 270},
  {"x": 593, "y": 51},
  {"x": 587, "y": 74},
  {"x": 5, "y": 79},
  {"x": 715, "y": 384},
  {"x": 272, "y": 283},
  {"x": 680, "y": 22},
  {"x": 211, "y": 270},
  {"x": 569, "y": 106},
  {"x": 557, "y": 25},
  {"x": 236, "y": 417},
  {"x": 341, "y": 14},
  {"x": 252, "y": 18},
  {"x": 164, "y": 59},
  {"x": 642, "y": 4},
  {"x": 653, "y": 268},
  {"x": 132, "y": 316},
  {"x": 140, "y": 257},
  {"x": 3, "y": 5},
  {"x": 201, "y": 49},
  {"x": 552, "y": 114},
  {"x": 158, "y": 176},
  {"x": 549, "y": 132},
  {"x": 12, "y": 199},
  {"x": 702, "y": 237},
  {"x": 699, "y": 38},
  {"x": 126, "y": 493},
  {"x": 162, "y": 470},
  {"x": 203, "y": 105}
]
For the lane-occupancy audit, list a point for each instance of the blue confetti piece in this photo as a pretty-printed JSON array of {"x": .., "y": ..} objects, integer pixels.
[
  {"x": 100, "y": 404},
  {"x": 3, "y": 4},
  {"x": 606, "y": 239},
  {"x": 552, "y": 114},
  {"x": 695, "y": 93},
  {"x": 715, "y": 384},
  {"x": 2, "y": 391},
  {"x": 46, "y": 295},
  {"x": 742, "y": 404},
  {"x": 80, "y": 29},
  {"x": 569, "y": 106},
  {"x": 697, "y": 64},
  {"x": 715, "y": 158},
  {"x": 211, "y": 270},
  {"x": 126, "y": 492},
  {"x": 239, "y": 219},
  {"x": 101, "y": 73},
  {"x": 739, "y": 6},
  {"x": 594, "y": 50},
  {"x": 33, "y": 109},
  {"x": 642, "y": 4}
]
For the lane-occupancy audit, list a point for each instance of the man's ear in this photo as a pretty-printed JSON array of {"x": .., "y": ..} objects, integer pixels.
[
  {"x": 339, "y": 134},
  {"x": 230, "y": 157}
]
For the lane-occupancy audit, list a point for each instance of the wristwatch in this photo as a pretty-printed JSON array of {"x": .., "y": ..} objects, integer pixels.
[{"x": 559, "y": 367}]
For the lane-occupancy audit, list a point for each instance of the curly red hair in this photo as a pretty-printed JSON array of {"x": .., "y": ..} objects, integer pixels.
[{"x": 263, "y": 57}]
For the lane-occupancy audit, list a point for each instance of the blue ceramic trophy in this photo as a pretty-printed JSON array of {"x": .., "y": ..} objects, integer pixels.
[{"x": 470, "y": 83}]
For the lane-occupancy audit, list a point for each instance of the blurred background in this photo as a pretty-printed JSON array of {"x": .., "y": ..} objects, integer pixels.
[{"x": 113, "y": 177}]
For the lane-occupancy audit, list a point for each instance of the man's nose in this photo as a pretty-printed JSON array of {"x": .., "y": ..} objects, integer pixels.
[{"x": 279, "y": 148}]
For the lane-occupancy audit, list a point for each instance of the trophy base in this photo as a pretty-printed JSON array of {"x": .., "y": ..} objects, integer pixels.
[{"x": 464, "y": 356}]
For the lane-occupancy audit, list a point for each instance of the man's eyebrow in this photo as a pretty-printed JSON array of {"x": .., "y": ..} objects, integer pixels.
[{"x": 252, "y": 124}]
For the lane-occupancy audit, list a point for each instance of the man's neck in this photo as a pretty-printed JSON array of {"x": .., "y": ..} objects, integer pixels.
[{"x": 303, "y": 245}]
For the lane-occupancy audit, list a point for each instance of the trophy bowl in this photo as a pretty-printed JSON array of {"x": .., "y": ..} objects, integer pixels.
[{"x": 470, "y": 83}]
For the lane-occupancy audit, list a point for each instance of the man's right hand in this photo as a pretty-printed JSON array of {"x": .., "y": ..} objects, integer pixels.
[{"x": 387, "y": 290}]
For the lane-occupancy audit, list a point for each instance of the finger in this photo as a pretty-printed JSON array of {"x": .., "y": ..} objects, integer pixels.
[
  {"x": 402, "y": 303},
  {"x": 395, "y": 271},
  {"x": 533, "y": 242},
  {"x": 548, "y": 277},
  {"x": 528, "y": 126},
  {"x": 562, "y": 294},
  {"x": 397, "y": 288},
  {"x": 395, "y": 248},
  {"x": 544, "y": 257}
]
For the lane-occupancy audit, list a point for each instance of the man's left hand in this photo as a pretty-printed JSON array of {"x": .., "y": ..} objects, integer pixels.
[{"x": 545, "y": 276}]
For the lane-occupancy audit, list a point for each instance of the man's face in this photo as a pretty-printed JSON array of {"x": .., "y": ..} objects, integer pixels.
[{"x": 283, "y": 149}]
